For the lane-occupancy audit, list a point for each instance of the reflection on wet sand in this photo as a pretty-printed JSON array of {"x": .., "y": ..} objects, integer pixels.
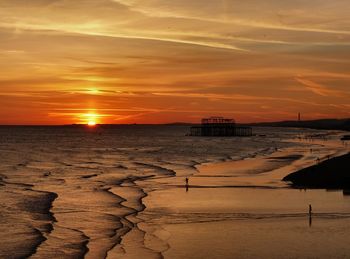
[
  {"x": 208, "y": 215},
  {"x": 242, "y": 209},
  {"x": 121, "y": 192}
]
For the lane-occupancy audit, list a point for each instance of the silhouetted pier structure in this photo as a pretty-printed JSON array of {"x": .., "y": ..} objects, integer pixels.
[{"x": 220, "y": 127}]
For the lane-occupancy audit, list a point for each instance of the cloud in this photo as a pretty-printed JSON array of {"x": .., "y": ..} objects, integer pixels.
[
  {"x": 282, "y": 15},
  {"x": 318, "y": 89},
  {"x": 153, "y": 60}
]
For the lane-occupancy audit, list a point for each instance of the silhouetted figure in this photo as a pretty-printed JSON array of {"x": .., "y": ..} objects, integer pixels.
[
  {"x": 310, "y": 150},
  {"x": 186, "y": 180},
  {"x": 310, "y": 215}
]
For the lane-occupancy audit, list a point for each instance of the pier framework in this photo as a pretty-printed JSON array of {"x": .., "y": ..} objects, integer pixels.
[{"x": 220, "y": 127}]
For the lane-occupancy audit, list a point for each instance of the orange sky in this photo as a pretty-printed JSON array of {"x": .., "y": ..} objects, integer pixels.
[{"x": 159, "y": 61}]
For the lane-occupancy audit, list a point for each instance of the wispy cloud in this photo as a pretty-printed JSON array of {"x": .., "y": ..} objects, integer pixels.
[
  {"x": 317, "y": 88},
  {"x": 162, "y": 60},
  {"x": 192, "y": 12}
]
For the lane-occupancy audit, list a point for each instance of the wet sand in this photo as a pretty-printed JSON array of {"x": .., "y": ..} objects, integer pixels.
[
  {"x": 242, "y": 209},
  {"x": 271, "y": 238},
  {"x": 110, "y": 195},
  {"x": 249, "y": 222}
]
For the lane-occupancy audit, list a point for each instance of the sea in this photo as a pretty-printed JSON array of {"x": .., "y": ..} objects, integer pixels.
[{"x": 120, "y": 192}]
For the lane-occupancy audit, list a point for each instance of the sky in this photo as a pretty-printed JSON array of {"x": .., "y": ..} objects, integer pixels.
[{"x": 162, "y": 61}]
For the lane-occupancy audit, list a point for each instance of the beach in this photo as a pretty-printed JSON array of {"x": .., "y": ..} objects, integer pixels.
[
  {"x": 72, "y": 192},
  {"x": 133, "y": 129}
]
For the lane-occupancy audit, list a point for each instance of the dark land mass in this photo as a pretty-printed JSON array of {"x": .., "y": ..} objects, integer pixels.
[
  {"x": 325, "y": 124},
  {"x": 333, "y": 173}
]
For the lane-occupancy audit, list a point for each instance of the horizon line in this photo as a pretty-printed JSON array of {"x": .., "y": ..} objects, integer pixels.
[{"x": 169, "y": 123}]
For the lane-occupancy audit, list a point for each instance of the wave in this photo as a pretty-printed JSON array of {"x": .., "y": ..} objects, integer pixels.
[
  {"x": 33, "y": 205},
  {"x": 158, "y": 168},
  {"x": 158, "y": 217}
]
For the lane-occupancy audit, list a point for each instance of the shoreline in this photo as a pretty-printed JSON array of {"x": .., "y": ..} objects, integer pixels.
[
  {"x": 102, "y": 209},
  {"x": 221, "y": 181},
  {"x": 328, "y": 174},
  {"x": 40, "y": 208},
  {"x": 129, "y": 221}
]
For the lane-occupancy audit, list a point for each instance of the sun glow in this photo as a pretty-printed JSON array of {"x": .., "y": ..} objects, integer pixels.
[
  {"x": 93, "y": 91},
  {"x": 91, "y": 123},
  {"x": 90, "y": 119}
]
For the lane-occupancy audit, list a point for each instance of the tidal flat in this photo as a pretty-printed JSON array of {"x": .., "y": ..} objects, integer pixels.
[{"x": 119, "y": 192}]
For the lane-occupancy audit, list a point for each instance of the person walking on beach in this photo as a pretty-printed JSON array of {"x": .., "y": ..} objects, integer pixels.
[
  {"x": 310, "y": 215},
  {"x": 310, "y": 210},
  {"x": 186, "y": 181}
]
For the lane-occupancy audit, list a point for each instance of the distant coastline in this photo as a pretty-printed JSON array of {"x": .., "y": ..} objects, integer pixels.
[{"x": 322, "y": 124}]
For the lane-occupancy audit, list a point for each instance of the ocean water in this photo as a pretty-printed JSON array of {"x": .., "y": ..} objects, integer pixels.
[{"x": 118, "y": 191}]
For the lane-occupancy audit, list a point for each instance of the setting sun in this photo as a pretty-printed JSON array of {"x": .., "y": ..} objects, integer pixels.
[
  {"x": 91, "y": 123},
  {"x": 90, "y": 119},
  {"x": 218, "y": 111}
]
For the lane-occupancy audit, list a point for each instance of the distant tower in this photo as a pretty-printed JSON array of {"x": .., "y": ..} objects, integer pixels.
[{"x": 299, "y": 117}]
